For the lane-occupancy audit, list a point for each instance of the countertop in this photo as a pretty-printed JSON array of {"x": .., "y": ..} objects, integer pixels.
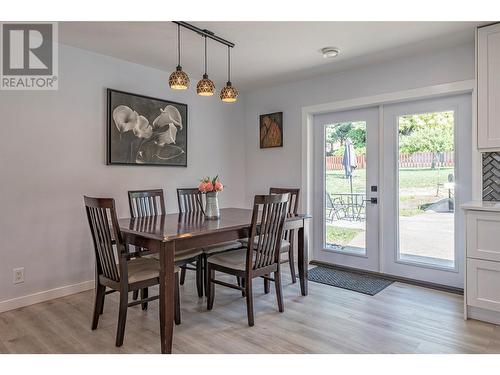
[{"x": 482, "y": 206}]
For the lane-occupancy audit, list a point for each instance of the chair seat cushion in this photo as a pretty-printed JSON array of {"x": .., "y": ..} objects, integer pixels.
[
  {"x": 180, "y": 256},
  {"x": 222, "y": 247},
  {"x": 140, "y": 269},
  {"x": 187, "y": 254},
  {"x": 285, "y": 245},
  {"x": 235, "y": 259}
]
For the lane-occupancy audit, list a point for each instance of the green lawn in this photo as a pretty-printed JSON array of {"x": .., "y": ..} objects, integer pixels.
[
  {"x": 340, "y": 236},
  {"x": 409, "y": 178}
]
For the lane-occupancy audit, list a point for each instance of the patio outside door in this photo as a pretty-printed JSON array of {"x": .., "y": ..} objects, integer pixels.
[
  {"x": 346, "y": 148},
  {"x": 426, "y": 177},
  {"x": 386, "y": 197}
]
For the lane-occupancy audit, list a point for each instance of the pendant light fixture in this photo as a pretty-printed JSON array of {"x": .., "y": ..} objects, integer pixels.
[
  {"x": 205, "y": 86},
  {"x": 228, "y": 94},
  {"x": 178, "y": 80}
]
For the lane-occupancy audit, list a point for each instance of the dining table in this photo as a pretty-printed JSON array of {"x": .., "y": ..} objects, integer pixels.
[{"x": 174, "y": 233}]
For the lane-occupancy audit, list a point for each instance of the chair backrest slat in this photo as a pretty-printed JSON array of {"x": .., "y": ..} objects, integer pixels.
[
  {"x": 102, "y": 243},
  {"x": 190, "y": 200},
  {"x": 103, "y": 223},
  {"x": 266, "y": 233},
  {"x": 146, "y": 203},
  {"x": 293, "y": 204}
]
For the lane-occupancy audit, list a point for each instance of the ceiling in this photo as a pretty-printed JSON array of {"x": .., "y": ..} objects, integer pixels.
[{"x": 266, "y": 53}]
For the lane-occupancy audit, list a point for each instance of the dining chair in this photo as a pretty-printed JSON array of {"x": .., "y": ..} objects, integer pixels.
[
  {"x": 190, "y": 202},
  {"x": 289, "y": 235},
  {"x": 260, "y": 258},
  {"x": 121, "y": 270},
  {"x": 150, "y": 203},
  {"x": 146, "y": 202}
]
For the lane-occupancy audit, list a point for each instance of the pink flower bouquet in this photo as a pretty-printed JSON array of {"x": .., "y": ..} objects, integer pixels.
[
  {"x": 211, "y": 188},
  {"x": 208, "y": 185}
]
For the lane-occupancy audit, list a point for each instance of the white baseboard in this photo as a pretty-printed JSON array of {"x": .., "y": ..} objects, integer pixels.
[
  {"x": 484, "y": 315},
  {"x": 46, "y": 295}
]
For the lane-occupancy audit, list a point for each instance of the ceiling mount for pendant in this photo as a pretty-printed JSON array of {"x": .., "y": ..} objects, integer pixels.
[{"x": 204, "y": 32}]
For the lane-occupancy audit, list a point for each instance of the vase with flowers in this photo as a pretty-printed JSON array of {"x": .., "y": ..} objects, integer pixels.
[{"x": 211, "y": 187}]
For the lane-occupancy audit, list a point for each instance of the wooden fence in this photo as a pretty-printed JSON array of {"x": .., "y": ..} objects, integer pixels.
[
  {"x": 416, "y": 160},
  {"x": 334, "y": 163}
]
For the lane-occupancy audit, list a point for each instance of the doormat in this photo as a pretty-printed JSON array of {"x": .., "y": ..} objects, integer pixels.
[{"x": 357, "y": 282}]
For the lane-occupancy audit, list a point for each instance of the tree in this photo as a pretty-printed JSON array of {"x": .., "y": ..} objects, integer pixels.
[
  {"x": 426, "y": 132},
  {"x": 410, "y": 123},
  {"x": 358, "y": 136},
  {"x": 427, "y": 139},
  {"x": 338, "y": 134}
]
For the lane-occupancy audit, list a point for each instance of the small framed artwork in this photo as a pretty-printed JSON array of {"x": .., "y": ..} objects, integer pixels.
[
  {"x": 145, "y": 131},
  {"x": 271, "y": 130}
]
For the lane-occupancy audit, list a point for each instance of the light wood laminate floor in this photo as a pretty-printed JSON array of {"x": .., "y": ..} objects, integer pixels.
[{"x": 400, "y": 319}]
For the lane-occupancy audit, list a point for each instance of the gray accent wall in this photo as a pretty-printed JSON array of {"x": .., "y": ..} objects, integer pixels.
[{"x": 491, "y": 176}]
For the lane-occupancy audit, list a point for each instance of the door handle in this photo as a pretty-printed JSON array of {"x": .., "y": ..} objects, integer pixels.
[{"x": 373, "y": 200}]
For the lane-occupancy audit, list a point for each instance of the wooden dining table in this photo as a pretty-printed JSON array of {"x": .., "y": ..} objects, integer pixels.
[{"x": 174, "y": 233}]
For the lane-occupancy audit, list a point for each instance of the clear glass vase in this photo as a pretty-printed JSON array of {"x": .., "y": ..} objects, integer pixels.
[{"x": 212, "y": 211}]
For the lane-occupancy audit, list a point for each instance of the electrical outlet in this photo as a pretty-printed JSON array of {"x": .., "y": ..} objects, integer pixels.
[{"x": 18, "y": 275}]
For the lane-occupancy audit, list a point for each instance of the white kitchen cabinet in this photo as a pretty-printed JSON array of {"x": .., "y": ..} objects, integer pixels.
[
  {"x": 483, "y": 284},
  {"x": 482, "y": 280},
  {"x": 483, "y": 235},
  {"x": 488, "y": 87}
]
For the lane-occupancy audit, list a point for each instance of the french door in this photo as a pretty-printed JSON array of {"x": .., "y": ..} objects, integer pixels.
[
  {"x": 387, "y": 195},
  {"x": 347, "y": 187},
  {"x": 427, "y": 174}
]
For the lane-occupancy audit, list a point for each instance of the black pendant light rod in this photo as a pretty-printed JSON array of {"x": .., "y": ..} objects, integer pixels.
[
  {"x": 178, "y": 45},
  {"x": 205, "y": 55},
  {"x": 206, "y": 33},
  {"x": 228, "y": 65}
]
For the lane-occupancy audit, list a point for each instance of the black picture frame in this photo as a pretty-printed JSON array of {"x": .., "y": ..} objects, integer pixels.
[
  {"x": 145, "y": 151},
  {"x": 271, "y": 121}
]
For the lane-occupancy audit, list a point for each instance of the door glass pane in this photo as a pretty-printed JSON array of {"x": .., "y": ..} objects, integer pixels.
[
  {"x": 426, "y": 188},
  {"x": 345, "y": 187}
]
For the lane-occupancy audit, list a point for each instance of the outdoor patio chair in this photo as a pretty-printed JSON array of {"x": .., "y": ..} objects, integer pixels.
[{"x": 334, "y": 207}]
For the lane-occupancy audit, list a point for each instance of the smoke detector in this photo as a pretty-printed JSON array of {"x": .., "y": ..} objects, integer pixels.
[{"x": 330, "y": 52}]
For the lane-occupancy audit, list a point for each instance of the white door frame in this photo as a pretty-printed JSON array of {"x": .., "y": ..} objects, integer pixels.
[{"x": 307, "y": 168}]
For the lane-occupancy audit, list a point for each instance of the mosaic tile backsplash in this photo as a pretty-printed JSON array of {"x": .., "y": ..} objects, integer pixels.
[{"x": 491, "y": 176}]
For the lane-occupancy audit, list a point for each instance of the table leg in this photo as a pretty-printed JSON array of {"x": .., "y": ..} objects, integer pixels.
[
  {"x": 167, "y": 286},
  {"x": 302, "y": 261}
]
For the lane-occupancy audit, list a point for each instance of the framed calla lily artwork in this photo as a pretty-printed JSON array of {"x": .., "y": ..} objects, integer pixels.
[{"x": 145, "y": 131}]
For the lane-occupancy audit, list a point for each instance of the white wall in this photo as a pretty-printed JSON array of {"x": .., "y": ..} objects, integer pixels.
[
  {"x": 282, "y": 166},
  {"x": 52, "y": 152}
]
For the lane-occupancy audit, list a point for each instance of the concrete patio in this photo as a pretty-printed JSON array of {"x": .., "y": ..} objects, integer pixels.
[{"x": 428, "y": 237}]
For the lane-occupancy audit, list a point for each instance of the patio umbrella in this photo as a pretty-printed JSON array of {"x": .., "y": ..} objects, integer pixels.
[{"x": 349, "y": 161}]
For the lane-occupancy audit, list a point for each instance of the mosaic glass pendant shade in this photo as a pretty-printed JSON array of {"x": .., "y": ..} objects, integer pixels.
[{"x": 205, "y": 86}]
